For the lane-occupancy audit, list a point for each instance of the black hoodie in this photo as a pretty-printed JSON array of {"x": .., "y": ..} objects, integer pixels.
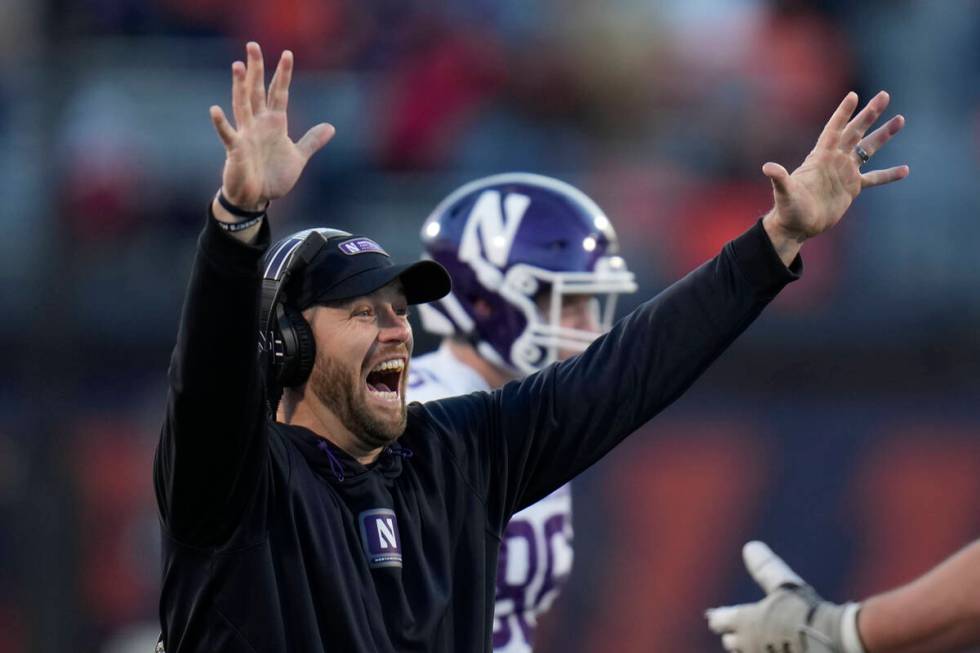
[{"x": 275, "y": 540}]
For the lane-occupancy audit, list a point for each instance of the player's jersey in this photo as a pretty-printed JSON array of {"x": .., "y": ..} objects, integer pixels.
[{"x": 536, "y": 552}]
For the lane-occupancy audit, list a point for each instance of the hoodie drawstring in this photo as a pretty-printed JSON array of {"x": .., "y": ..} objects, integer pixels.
[
  {"x": 399, "y": 450},
  {"x": 335, "y": 467}
]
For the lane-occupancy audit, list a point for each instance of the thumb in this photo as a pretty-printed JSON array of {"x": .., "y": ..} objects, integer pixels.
[
  {"x": 778, "y": 176},
  {"x": 315, "y": 138},
  {"x": 767, "y": 568},
  {"x": 225, "y": 131}
]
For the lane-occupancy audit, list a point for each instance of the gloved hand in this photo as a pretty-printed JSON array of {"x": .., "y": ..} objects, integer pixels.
[{"x": 791, "y": 619}]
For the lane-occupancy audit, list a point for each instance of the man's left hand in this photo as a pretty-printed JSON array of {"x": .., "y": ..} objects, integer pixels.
[{"x": 816, "y": 195}]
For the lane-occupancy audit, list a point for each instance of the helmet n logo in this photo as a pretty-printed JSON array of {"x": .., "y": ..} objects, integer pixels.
[
  {"x": 494, "y": 224},
  {"x": 506, "y": 255}
]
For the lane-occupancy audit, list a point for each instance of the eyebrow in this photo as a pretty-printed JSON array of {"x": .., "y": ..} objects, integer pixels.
[
  {"x": 348, "y": 303},
  {"x": 339, "y": 303}
]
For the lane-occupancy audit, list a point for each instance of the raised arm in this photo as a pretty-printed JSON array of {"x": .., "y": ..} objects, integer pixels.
[
  {"x": 212, "y": 447},
  {"x": 556, "y": 423}
]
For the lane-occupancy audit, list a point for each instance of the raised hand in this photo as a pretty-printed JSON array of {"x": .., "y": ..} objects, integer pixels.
[
  {"x": 816, "y": 195},
  {"x": 262, "y": 163}
]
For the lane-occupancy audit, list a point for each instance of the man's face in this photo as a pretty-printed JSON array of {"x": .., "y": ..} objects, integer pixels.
[
  {"x": 578, "y": 312},
  {"x": 361, "y": 368}
]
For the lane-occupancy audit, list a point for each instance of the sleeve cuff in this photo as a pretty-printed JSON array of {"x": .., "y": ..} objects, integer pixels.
[
  {"x": 850, "y": 634},
  {"x": 229, "y": 253},
  {"x": 757, "y": 259}
]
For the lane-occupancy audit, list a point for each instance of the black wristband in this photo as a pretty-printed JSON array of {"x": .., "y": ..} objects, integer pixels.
[
  {"x": 239, "y": 226},
  {"x": 239, "y": 212}
]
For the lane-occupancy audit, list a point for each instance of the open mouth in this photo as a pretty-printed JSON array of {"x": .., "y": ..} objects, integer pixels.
[{"x": 384, "y": 381}]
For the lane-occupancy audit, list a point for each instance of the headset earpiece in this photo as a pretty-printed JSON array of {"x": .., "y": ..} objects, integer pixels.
[
  {"x": 285, "y": 338},
  {"x": 298, "y": 347}
]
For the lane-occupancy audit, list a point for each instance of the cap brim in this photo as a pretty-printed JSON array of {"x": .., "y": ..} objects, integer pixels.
[{"x": 423, "y": 282}]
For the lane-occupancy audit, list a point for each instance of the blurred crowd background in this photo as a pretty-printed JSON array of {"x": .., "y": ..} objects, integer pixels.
[{"x": 843, "y": 428}]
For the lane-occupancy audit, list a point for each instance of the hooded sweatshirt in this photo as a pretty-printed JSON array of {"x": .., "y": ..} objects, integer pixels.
[{"x": 276, "y": 540}]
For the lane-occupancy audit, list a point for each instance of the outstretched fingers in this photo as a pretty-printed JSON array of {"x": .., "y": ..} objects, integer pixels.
[
  {"x": 315, "y": 138},
  {"x": 873, "y": 142},
  {"x": 730, "y": 642},
  {"x": 225, "y": 131},
  {"x": 882, "y": 177},
  {"x": 722, "y": 620},
  {"x": 255, "y": 77},
  {"x": 856, "y": 128},
  {"x": 279, "y": 86},
  {"x": 725, "y": 621},
  {"x": 240, "y": 105},
  {"x": 831, "y": 134}
]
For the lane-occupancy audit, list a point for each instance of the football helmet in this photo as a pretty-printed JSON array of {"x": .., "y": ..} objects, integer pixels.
[{"x": 507, "y": 240}]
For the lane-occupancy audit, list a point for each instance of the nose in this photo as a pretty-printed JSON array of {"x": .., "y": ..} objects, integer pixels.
[
  {"x": 394, "y": 328},
  {"x": 582, "y": 315}
]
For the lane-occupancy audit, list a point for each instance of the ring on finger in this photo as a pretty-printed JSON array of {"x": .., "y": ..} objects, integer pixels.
[{"x": 862, "y": 155}]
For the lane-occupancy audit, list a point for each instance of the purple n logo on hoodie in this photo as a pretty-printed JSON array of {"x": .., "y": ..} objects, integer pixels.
[{"x": 379, "y": 535}]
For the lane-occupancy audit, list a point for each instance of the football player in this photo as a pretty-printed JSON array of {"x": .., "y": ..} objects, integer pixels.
[{"x": 536, "y": 275}]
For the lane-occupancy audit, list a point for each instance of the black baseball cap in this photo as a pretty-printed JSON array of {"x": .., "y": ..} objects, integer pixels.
[{"x": 351, "y": 266}]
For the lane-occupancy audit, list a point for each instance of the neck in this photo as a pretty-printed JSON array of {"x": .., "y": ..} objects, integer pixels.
[
  {"x": 466, "y": 354},
  {"x": 306, "y": 411}
]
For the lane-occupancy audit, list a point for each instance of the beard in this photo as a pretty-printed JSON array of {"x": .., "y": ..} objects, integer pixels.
[{"x": 337, "y": 387}]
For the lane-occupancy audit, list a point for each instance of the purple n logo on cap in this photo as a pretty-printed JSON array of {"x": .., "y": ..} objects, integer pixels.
[
  {"x": 379, "y": 535},
  {"x": 360, "y": 246}
]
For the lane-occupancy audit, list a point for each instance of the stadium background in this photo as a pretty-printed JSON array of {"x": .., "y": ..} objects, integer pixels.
[{"x": 844, "y": 428}]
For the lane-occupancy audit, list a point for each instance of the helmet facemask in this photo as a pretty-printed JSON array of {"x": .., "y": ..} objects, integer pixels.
[{"x": 545, "y": 338}]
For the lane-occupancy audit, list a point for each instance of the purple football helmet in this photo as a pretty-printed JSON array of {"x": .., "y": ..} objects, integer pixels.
[{"x": 507, "y": 239}]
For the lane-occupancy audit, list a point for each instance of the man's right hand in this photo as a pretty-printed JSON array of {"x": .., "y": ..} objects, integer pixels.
[{"x": 262, "y": 163}]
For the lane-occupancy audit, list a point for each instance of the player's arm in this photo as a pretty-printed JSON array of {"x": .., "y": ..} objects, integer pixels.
[
  {"x": 939, "y": 611},
  {"x": 936, "y": 613},
  {"x": 211, "y": 448},
  {"x": 531, "y": 436},
  {"x": 558, "y": 422}
]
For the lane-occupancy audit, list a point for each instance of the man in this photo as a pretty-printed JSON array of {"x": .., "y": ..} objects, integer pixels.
[
  {"x": 535, "y": 279},
  {"x": 359, "y": 524},
  {"x": 937, "y": 613}
]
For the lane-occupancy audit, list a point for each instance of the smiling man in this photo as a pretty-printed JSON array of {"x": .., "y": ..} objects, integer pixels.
[
  {"x": 354, "y": 523},
  {"x": 352, "y": 302}
]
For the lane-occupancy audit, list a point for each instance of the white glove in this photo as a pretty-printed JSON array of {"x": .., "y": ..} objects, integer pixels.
[{"x": 791, "y": 619}]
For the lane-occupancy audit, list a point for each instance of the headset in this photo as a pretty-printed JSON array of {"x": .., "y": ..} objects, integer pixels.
[{"x": 285, "y": 337}]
